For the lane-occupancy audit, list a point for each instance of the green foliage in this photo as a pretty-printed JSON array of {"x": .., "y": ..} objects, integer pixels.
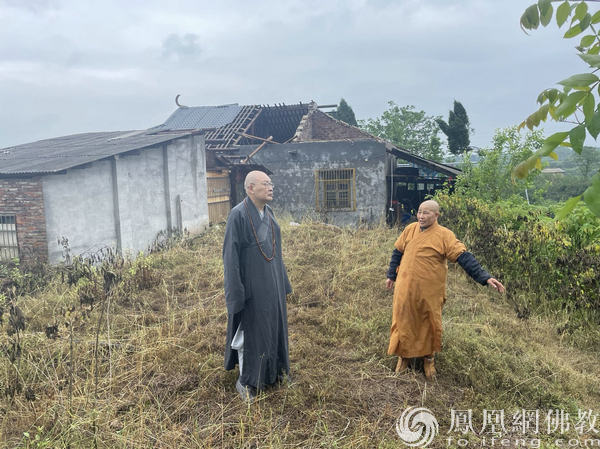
[
  {"x": 17, "y": 278},
  {"x": 576, "y": 179},
  {"x": 344, "y": 113},
  {"x": 37, "y": 441},
  {"x": 491, "y": 179},
  {"x": 408, "y": 129},
  {"x": 588, "y": 161},
  {"x": 546, "y": 265},
  {"x": 557, "y": 188},
  {"x": 592, "y": 195},
  {"x": 577, "y": 101},
  {"x": 457, "y": 129},
  {"x": 582, "y": 226}
]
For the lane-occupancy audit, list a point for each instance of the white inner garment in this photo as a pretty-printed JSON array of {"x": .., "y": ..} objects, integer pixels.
[{"x": 238, "y": 344}]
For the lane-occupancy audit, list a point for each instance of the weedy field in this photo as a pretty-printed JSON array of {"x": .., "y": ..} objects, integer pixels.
[{"x": 130, "y": 355}]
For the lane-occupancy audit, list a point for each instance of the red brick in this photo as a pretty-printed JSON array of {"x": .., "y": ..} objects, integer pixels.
[{"x": 25, "y": 199}]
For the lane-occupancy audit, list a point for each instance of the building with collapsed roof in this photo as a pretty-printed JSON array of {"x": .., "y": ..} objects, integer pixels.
[
  {"x": 322, "y": 168},
  {"x": 121, "y": 189}
]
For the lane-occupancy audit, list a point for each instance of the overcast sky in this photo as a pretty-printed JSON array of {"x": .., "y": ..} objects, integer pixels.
[{"x": 71, "y": 66}]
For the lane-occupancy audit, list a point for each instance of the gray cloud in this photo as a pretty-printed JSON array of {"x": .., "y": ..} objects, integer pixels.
[
  {"x": 76, "y": 66},
  {"x": 181, "y": 48}
]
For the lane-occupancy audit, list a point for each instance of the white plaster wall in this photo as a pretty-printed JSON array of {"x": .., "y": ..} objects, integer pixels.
[
  {"x": 142, "y": 207},
  {"x": 79, "y": 206},
  {"x": 187, "y": 177}
]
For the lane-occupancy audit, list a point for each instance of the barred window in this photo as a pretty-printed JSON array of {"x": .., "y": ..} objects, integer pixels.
[
  {"x": 335, "y": 189},
  {"x": 9, "y": 249}
]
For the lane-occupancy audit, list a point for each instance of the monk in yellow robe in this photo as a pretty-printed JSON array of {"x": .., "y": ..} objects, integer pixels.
[{"x": 418, "y": 272}]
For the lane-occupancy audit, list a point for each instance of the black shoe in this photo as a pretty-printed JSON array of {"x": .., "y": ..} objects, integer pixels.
[{"x": 247, "y": 393}]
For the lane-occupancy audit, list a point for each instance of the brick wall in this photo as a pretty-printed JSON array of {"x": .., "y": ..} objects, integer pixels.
[
  {"x": 324, "y": 127},
  {"x": 24, "y": 198}
]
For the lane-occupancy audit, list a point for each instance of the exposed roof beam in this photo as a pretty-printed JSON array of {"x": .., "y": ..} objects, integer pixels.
[
  {"x": 250, "y": 136},
  {"x": 260, "y": 147}
]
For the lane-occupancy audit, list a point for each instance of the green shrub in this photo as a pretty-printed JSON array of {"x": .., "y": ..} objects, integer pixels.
[{"x": 546, "y": 265}]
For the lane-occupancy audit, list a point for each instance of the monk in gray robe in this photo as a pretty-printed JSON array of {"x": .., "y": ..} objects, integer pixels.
[{"x": 256, "y": 285}]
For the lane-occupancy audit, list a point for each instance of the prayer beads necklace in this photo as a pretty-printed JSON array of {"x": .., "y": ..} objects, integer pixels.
[{"x": 268, "y": 259}]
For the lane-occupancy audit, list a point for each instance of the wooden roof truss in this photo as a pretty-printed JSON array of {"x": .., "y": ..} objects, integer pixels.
[{"x": 229, "y": 135}]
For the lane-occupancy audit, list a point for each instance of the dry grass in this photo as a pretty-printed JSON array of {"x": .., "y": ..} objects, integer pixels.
[{"x": 161, "y": 381}]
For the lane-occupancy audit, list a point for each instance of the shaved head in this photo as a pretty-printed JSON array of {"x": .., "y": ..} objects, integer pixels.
[
  {"x": 254, "y": 177},
  {"x": 431, "y": 205}
]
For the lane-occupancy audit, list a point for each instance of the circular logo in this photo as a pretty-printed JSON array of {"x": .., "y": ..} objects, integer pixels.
[{"x": 417, "y": 426}]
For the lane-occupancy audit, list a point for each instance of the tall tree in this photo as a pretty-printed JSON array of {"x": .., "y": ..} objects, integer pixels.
[
  {"x": 344, "y": 113},
  {"x": 588, "y": 161},
  {"x": 409, "y": 129},
  {"x": 457, "y": 129},
  {"x": 491, "y": 178},
  {"x": 576, "y": 101}
]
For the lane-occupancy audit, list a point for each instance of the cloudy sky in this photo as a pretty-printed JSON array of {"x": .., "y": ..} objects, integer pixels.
[{"x": 70, "y": 66}]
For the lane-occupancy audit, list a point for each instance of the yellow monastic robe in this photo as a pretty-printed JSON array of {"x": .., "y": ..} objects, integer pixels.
[{"x": 420, "y": 289}]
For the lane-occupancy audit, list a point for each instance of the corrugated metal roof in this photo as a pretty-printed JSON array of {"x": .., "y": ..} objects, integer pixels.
[
  {"x": 61, "y": 153},
  {"x": 201, "y": 117}
]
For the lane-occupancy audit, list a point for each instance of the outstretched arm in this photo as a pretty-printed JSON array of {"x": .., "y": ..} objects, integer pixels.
[{"x": 473, "y": 268}]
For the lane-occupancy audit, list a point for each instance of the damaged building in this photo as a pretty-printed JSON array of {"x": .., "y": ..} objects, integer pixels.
[
  {"x": 321, "y": 167},
  {"x": 120, "y": 189}
]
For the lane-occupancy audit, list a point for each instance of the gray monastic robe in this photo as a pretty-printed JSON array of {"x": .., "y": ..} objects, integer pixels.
[{"x": 255, "y": 293}]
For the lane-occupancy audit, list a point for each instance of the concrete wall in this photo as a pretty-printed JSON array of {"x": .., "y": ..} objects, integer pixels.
[
  {"x": 187, "y": 176},
  {"x": 23, "y": 197},
  {"x": 294, "y": 164},
  {"x": 79, "y": 207},
  {"x": 122, "y": 202}
]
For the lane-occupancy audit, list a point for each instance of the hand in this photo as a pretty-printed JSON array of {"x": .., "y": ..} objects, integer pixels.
[
  {"x": 494, "y": 283},
  {"x": 389, "y": 284}
]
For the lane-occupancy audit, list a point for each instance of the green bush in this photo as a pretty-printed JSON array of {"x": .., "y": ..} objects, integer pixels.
[
  {"x": 546, "y": 265},
  {"x": 491, "y": 178}
]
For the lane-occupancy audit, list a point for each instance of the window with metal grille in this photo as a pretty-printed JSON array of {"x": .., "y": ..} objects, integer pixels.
[
  {"x": 335, "y": 189},
  {"x": 9, "y": 249}
]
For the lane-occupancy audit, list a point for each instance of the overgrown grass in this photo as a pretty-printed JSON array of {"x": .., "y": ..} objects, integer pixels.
[{"x": 144, "y": 367}]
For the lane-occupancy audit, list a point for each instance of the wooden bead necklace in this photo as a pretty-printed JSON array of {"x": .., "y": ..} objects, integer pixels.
[{"x": 268, "y": 259}]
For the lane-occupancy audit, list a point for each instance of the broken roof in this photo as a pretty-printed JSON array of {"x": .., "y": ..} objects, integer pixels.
[
  {"x": 355, "y": 133},
  {"x": 61, "y": 153},
  {"x": 229, "y": 125}
]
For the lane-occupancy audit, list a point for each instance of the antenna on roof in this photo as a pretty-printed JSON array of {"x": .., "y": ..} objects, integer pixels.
[{"x": 177, "y": 101}]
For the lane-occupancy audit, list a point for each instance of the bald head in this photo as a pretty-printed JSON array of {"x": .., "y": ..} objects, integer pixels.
[
  {"x": 259, "y": 188},
  {"x": 428, "y": 213},
  {"x": 254, "y": 177},
  {"x": 431, "y": 205}
]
